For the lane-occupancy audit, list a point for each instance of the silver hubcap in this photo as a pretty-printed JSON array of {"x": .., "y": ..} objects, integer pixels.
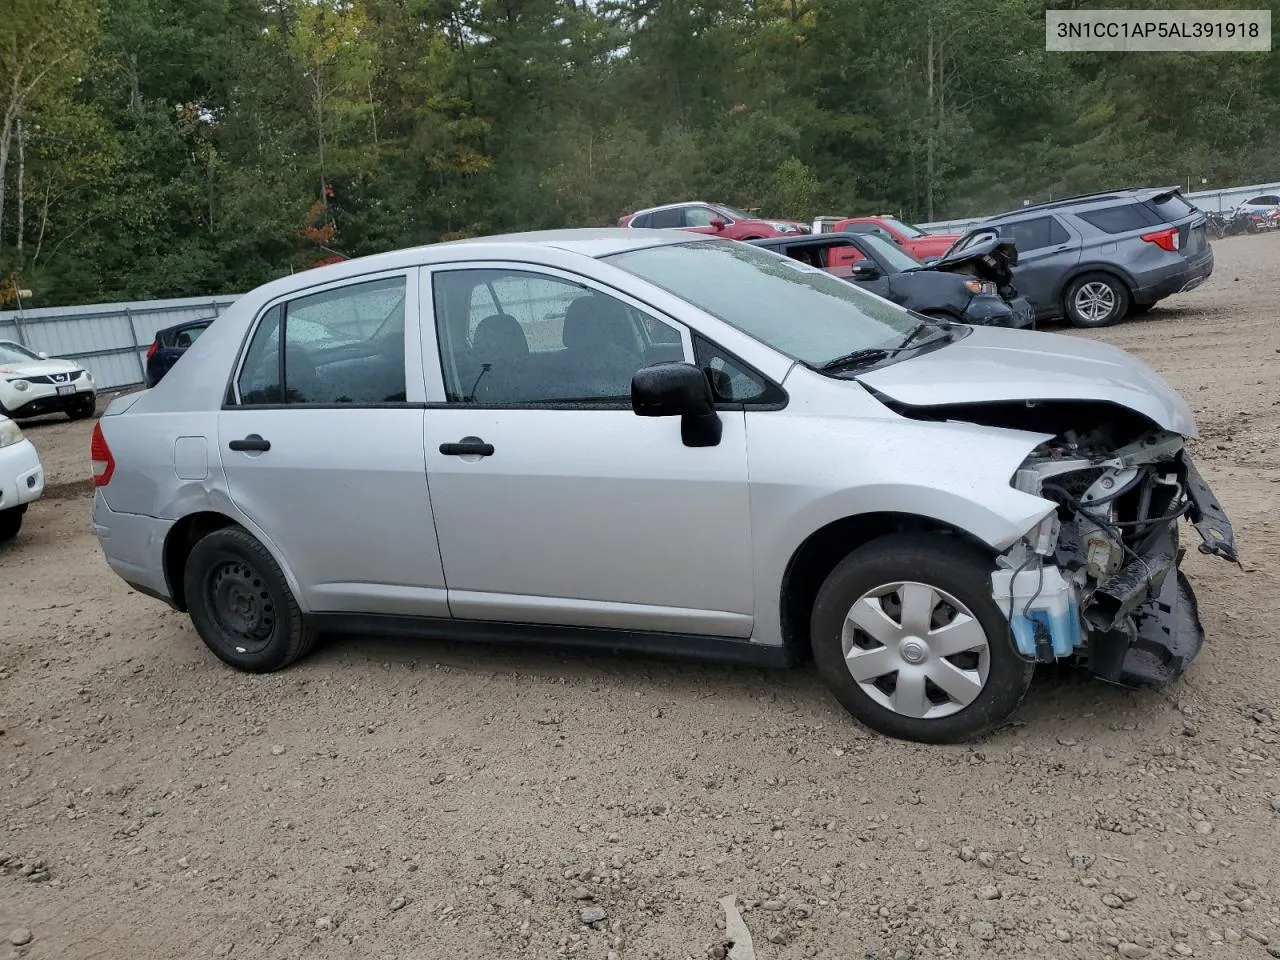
[
  {"x": 1095, "y": 300},
  {"x": 916, "y": 650}
]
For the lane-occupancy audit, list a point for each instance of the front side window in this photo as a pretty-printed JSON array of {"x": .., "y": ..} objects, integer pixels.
[
  {"x": 802, "y": 312},
  {"x": 700, "y": 216},
  {"x": 341, "y": 346},
  {"x": 11, "y": 352},
  {"x": 892, "y": 254},
  {"x": 513, "y": 337}
]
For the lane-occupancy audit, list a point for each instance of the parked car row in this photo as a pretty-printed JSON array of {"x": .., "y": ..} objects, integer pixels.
[{"x": 1091, "y": 259}]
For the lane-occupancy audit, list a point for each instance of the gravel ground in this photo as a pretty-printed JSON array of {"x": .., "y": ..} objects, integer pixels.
[{"x": 389, "y": 799}]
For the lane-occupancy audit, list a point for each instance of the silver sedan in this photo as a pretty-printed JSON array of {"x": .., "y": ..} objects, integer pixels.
[{"x": 669, "y": 443}]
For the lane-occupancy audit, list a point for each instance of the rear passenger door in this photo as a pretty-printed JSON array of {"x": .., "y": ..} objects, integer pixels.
[
  {"x": 1047, "y": 249},
  {"x": 321, "y": 441}
]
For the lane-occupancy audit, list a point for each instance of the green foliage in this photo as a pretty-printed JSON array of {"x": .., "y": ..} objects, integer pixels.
[{"x": 180, "y": 147}]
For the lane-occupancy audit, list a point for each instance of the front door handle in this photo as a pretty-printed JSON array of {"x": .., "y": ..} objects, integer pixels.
[
  {"x": 467, "y": 447},
  {"x": 252, "y": 442}
]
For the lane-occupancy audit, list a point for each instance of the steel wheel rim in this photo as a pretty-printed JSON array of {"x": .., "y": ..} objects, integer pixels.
[
  {"x": 916, "y": 650},
  {"x": 241, "y": 605},
  {"x": 1095, "y": 300}
]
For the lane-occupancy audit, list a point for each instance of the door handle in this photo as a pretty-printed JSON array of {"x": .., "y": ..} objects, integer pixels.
[
  {"x": 467, "y": 447},
  {"x": 252, "y": 442}
]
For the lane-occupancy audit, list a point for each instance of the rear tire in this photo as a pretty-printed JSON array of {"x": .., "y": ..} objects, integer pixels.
[
  {"x": 927, "y": 600},
  {"x": 241, "y": 605},
  {"x": 11, "y": 522},
  {"x": 1096, "y": 300}
]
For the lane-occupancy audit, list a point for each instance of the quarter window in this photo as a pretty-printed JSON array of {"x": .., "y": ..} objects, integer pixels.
[
  {"x": 518, "y": 337},
  {"x": 341, "y": 346},
  {"x": 1124, "y": 218}
]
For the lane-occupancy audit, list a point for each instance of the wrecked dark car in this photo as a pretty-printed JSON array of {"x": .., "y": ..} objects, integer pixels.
[{"x": 974, "y": 287}]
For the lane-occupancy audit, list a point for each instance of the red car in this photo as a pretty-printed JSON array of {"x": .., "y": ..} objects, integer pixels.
[
  {"x": 910, "y": 238},
  {"x": 716, "y": 218}
]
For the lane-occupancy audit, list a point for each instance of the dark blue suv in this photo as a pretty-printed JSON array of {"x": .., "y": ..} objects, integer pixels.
[{"x": 169, "y": 344}]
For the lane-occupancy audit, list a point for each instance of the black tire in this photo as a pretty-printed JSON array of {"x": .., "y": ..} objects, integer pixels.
[
  {"x": 1116, "y": 291},
  {"x": 84, "y": 409},
  {"x": 11, "y": 522},
  {"x": 1138, "y": 309},
  {"x": 227, "y": 569},
  {"x": 944, "y": 564}
]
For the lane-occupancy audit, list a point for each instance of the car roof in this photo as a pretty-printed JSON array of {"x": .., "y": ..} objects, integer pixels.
[
  {"x": 1086, "y": 200},
  {"x": 681, "y": 203}
]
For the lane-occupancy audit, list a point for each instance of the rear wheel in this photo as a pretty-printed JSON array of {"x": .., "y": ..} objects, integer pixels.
[
  {"x": 1096, "y": 300},
  {"x": 241, "y": 605},
  {"x": 909, "y": 640},
  {"x": 11, "y": 522}
]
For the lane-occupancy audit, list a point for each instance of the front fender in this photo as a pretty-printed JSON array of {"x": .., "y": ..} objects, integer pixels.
[{"x": 808, "y": 472}]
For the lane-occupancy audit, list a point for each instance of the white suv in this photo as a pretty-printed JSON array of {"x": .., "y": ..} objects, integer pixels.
[{"x": 21, "y": 477}]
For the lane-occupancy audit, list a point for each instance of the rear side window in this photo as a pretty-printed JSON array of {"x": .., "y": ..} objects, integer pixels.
[
  {"x": 1035, "y": 234},
  {"x": 1122, "y": 219},
  {"x": 663, "y": 219},
  {"x": 341, "y": 346}
]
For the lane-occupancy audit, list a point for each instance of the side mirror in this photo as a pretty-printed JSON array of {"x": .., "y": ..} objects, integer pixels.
[
  {"x": 42, "y": 355},
  {"x": 678, "y": 390},
  {"x": 718, "y": 224},
  {"x": 865, "y": 270}
]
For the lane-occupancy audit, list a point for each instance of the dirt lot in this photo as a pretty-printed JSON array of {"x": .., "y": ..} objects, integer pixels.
[{"x": 387, "y": 799}]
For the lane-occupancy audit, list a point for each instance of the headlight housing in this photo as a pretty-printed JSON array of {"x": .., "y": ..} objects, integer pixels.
[
  {"x": 978, "y": 287},
  {"x": 10, "y": 433}
]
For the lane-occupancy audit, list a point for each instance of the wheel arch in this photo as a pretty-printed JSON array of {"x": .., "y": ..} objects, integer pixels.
[
  {"x": 1080, "y": 269},
  {"x": 822, "y": 550},
  {"x": 182, "y": 536}
]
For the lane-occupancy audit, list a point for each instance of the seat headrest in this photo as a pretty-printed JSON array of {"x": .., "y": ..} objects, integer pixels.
[
  {"x": 595, "y": 321},
  {"x": 499, "y": 335}
]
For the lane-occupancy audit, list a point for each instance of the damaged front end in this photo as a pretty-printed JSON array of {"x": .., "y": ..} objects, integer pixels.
[{"x": 1099, "y": 579}]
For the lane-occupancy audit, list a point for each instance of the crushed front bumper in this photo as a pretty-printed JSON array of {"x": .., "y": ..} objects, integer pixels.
[{"x": 1138, "y": 626}]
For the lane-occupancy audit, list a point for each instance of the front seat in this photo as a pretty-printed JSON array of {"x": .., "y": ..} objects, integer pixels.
[
  {"x": 601, "y": 351},
  {"x": 499, "y": 341}
]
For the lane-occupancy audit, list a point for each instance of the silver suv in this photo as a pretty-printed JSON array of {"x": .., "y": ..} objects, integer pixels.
[
  {"x": 1098, "y": 258},
  {"x": 639, "y": 439}
]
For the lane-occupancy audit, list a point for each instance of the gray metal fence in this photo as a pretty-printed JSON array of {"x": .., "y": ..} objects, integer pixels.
[{"x": 110, "y": 339}]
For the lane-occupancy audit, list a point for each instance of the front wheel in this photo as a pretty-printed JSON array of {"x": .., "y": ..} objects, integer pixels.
[
  {"x": 1096, "y": 300},
  {"x": 11, "y": 522},
  {"x": 908, "y": 638},
  {"x": 241, "y": 605},
  {"x": 84, "y": 408}
]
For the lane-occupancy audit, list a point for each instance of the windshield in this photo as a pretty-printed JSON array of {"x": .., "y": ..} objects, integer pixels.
[
  {"x": 892, "y": 254},
  {"x": 734, "y": 211},
  {"x": 908, "y": 229},
  {"x": 798, "y": 310},
  {"x": 11, "y": 352}
]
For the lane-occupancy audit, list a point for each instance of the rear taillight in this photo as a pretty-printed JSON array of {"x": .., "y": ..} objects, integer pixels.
[
  {"x": 151, "y": 350},
  {"x": 104, "y": 465},
  {"x": 1164, "y": 239}
]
